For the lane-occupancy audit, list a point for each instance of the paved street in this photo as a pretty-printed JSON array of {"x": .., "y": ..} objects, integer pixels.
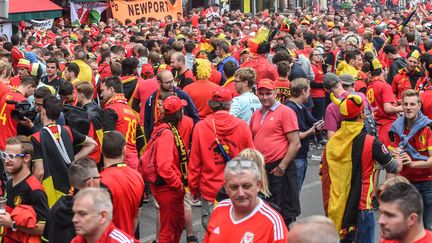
[{"x": 310, "y": 199}]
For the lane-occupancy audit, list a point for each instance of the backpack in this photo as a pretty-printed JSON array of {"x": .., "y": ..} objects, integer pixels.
[
  {"x": 148, "y": 166},
  {"x": 77, "y": 118}
]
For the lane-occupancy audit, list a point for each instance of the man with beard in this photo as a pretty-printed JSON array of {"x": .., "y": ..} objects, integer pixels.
[
  {"x": 411, "y": 136},
  {"x": 166, "y": 86},
  {"x": 52, "y": 78},
  {"x": 183, "y": 75},
  {"x": 275, "y": 132},
  {"x": 119, "y": 116},
  {"x": 401, "y": 215},
  {"x": 26, "y": 199},
  {"x": 407, "y": 77}
]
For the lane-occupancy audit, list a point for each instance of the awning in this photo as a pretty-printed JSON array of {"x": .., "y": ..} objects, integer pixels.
[
  {"x": 33, "y": 9},
  {"x": 83, "y": 1}
]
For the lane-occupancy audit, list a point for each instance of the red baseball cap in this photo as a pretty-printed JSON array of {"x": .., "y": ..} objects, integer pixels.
[
  {"x": 147, "y": 70},
  {"x": 172, "y": 104},
  {"x": 222, "y": 94},
  {"x": 266, "y": 84}
]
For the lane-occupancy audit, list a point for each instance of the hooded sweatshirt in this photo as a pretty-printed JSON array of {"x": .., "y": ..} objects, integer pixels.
[{"x": 206, "y": 164}]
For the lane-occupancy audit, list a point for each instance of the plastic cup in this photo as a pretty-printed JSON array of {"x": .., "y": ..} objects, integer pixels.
[{"x": 3, "y": 205}]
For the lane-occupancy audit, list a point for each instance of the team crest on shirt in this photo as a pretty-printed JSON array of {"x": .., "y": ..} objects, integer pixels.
[
  {"x": 370, "y": 95},
  {"x": 247, "y": 237},
  {"x": 17, "y": 200}
]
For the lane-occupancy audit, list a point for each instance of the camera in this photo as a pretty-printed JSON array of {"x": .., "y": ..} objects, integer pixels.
[{"x": 22, "y": 109}]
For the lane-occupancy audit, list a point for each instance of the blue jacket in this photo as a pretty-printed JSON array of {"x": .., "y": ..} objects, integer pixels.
[{"x": 189, "y": 110}]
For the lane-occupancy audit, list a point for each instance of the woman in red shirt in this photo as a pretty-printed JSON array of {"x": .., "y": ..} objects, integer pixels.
[{"x": 317, "y": 88}]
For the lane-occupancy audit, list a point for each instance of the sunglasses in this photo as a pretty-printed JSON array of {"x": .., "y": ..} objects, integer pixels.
[
  {"x": 10, "y": 156},
  {"x": 242, "y": 163}
]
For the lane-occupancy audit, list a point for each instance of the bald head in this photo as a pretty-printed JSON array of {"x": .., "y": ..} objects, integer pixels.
[{"x": 313, "y": 229}]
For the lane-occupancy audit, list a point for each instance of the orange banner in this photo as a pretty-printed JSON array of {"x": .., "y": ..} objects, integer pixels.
[{"x": 135, "y": 9}]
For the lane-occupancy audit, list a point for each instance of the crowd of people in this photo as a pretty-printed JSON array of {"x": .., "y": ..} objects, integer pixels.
[{"x": 219, "y": 110}]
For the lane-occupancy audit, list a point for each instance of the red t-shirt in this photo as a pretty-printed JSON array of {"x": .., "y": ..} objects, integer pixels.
[
  {"x": 144, "y": 89},
  {"x": 8, "y": 126},
  {"x": 319, "y": 75},
  {"x": 269, "y": 131},
  {"x": 378, "y": 93},
  {"x": 422, "y": 142},
  {"x": 126, "y": 196},
  {"x": 426, "y": 239},
  {"x": 263, "y": 224},
  {"x": 201, "y": 92}
]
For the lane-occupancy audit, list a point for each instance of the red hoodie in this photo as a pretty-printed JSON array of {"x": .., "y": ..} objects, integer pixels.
[
  {"x": 206, "y": 164},
  {"x": 167, "y": 158}
]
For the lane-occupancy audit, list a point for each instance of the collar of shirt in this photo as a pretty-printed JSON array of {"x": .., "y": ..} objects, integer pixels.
[{"x": 273, "y": 107}]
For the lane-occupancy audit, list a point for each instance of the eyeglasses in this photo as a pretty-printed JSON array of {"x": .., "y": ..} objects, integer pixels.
[
  {"x": 92, "y": 178},
  {"x": 168, "y": 81},
  {"x": 238, "y": 81},
  {"x": 10, "y": 156},
  {"x": 242, "y": 163}
]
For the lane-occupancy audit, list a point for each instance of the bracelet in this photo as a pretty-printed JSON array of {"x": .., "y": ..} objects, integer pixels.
[
  {"x": 282, "y": 169},
  {"x": 13, "y": 226}
]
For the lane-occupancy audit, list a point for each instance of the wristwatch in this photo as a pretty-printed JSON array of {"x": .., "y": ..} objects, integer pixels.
[
  {"x": 282, "y": 169},
  {"x": 13, "y": 226}
]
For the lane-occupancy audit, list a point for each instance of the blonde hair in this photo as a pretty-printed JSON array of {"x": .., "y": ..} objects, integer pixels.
[
  {"x": 7, "y": 68},
  {"x": 257, "y": 157}
]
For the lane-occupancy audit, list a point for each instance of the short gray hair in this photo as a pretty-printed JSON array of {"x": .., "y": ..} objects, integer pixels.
[
  {"x": 81, "y": 170},
  {"x": 100, "y": 197},
  {"x": 238, "y": 166}
]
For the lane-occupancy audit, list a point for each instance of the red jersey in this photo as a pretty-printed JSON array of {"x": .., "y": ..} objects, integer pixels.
[
  {"x": 378, "y": 93},
  {"x": 403, "y": 81},
  {"x": 126, "y": 196},
  {"x": 263, "y": 68},
  {"x": 422, "y": 142},
  {"x": 263, "y": 225},
  {"x": 15, "y": 82},
  {"x": 111, "y": 235},
  {"x": 8, "y": 126},
  {"x": 426, "y": 100},
  {"x": 282, "y": 90},
  {"x": 119, "y": 116},
  {"x": 319, "y": 75},
  {"x": 4, "y": 89},
  {"x": 426, "y": 239}
]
